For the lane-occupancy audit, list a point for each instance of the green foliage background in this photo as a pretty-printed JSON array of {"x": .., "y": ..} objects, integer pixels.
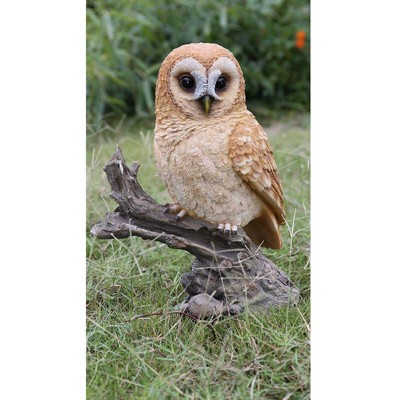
[{"x": 128, "y": 39}]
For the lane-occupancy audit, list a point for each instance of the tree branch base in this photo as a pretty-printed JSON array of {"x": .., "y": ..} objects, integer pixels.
[{"x": 228, "y": 275}]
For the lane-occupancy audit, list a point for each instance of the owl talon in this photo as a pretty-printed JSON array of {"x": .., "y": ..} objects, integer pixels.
[
  {"x": 181, "y": 214},
  {"x": 175, "y": 208},
  {"x": 228, "y": 229},
  {"x": 172, "y": 208}
]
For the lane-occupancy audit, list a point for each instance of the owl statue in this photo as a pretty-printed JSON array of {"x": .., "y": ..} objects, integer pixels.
[{"x": 211, "y": 152}]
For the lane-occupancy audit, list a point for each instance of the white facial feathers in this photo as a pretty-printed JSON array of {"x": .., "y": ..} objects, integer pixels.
[
  {"x": 191, "y": 80},
  {"x": 212, "y": 80},
  {"x": 227, "y": 66},
  {"x": 202, "y": 87},
  {"x": 205, "y": 80},
  {"x": 186, "y": 66}
]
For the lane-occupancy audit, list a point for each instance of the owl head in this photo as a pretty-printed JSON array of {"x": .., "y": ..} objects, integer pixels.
[{"x": 199, "y": 80}]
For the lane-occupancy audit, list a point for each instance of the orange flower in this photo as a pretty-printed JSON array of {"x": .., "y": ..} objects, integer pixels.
[
  {"x": 300, "y": 39},
  {"x": 300, "y": 35},
  {"x": 300, "y": 44}
]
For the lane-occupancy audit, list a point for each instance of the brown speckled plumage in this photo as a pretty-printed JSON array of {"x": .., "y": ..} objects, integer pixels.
[{"x": 217, "y": 166}]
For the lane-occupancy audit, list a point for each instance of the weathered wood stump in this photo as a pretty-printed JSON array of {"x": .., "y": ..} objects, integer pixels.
[{"x": 228, "y": 273}]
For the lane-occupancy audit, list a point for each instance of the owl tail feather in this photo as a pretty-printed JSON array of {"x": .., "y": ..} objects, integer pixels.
[{"x": 264, "y": 230}]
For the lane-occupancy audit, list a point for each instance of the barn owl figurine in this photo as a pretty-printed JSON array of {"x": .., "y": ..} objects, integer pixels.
[{"x": 211, "y": 152}]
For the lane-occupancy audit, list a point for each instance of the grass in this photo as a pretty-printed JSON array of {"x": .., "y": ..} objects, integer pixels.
[{"x": 250, "y": 356}]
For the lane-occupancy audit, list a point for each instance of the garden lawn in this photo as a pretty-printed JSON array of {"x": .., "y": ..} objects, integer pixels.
[{"x": 250, "y": 356}]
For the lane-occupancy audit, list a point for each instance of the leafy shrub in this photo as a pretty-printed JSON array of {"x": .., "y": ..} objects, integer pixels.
[{"x": 128, "y": 39}]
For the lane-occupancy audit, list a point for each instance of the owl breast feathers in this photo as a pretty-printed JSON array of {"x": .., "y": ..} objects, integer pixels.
[{"x": 210, "y": 151}]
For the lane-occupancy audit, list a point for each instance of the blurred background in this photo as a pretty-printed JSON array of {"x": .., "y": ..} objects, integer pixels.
[{"x": 128, "y": 39}]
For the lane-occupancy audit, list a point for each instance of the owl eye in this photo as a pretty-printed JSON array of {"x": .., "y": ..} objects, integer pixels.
[
  {"x": 186, "y": 82},
  {"x": 221, "y": 83}
]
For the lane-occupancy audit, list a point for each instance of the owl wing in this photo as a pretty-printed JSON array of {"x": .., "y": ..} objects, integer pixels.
[{"x": 252, "y": 158}]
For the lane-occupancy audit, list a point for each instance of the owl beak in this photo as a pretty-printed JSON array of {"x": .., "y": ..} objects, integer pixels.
[{"x": 206, "y": 100}]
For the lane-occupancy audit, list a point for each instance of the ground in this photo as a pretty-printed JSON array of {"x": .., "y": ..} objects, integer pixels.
[{"x": 250, "y": 356}]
